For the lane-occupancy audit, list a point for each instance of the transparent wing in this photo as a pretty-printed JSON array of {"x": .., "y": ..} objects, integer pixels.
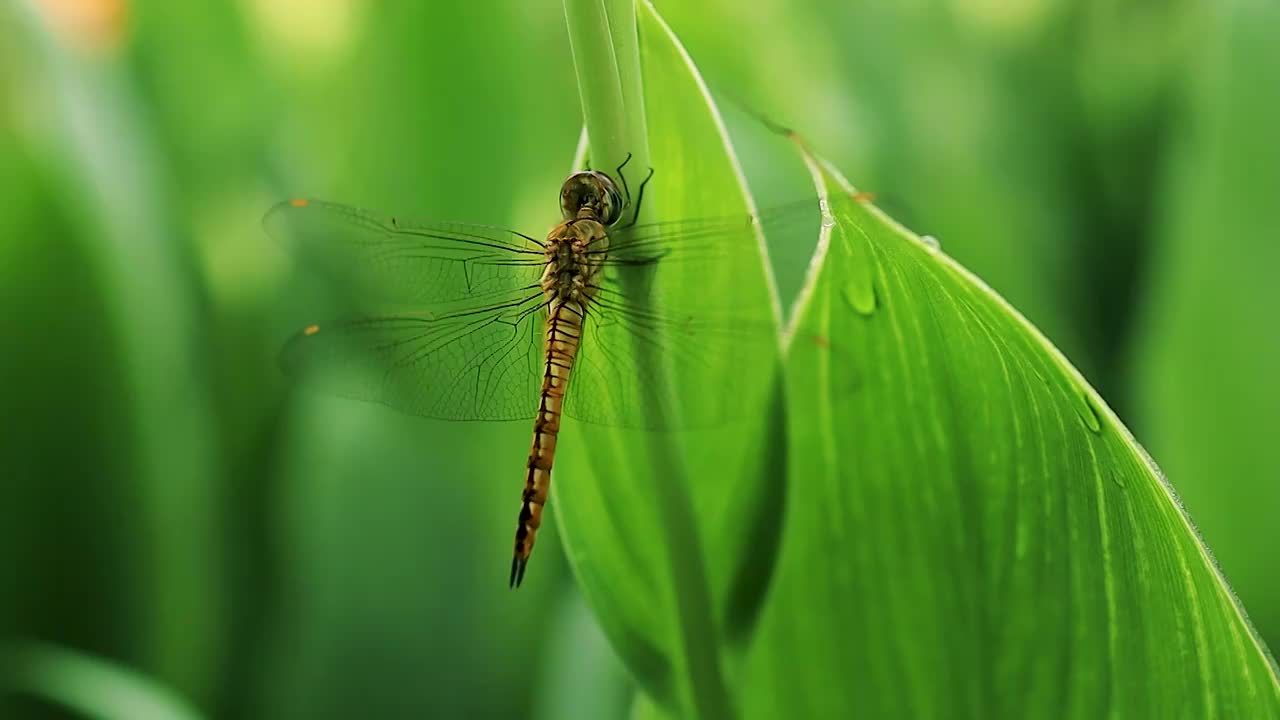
[
  {"x": 478, "y": 365},
  {"x": 385, "y": 261},
  {"x": 712, "y": 242},
  {"x": 451, "y": 314},
  {"x": 648, "y": 366},
  {"x": 454, "y": 319},
  {"x": 681, "y": 333}
]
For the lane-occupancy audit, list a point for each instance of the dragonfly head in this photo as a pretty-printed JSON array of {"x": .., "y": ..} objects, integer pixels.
[{"x": 591, "y": 194}]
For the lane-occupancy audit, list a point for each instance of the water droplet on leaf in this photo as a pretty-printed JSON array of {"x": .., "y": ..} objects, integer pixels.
[
  {"x": 1088, "y": 414},
  {"x": 857, "y": 263},
  {"x": 861, "y": 298}
]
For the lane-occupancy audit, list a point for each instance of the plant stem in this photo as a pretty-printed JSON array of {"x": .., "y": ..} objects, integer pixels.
[{"x": 606, "y": 54}]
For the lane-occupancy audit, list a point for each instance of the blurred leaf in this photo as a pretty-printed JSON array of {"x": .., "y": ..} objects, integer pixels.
[
  {"x": 971, "y": 531},
  {"x": 113, "y": 188},
  {"x": 62, "y": 539},
  {"x": 92, "y": 687},
  {"x": 1205, "y": 366},
  {"x": 582, "y": 678}
]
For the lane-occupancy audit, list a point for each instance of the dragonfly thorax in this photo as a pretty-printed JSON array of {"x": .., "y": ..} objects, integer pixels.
[{"x": 575, "y": 251}]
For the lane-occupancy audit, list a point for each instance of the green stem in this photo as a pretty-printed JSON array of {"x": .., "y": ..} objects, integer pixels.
[{"x": 606, "y": 54}]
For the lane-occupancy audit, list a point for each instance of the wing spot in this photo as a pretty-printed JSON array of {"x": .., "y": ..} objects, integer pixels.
[{"x": 299, "y": 202}]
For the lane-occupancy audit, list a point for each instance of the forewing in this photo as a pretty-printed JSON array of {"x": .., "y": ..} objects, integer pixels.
[
  {"x": 381, "y": 260},
  {"x": 451, "y": 314}
]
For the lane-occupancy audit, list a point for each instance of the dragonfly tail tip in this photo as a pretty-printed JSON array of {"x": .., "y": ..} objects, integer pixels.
[{"x": 517, "y": 571}]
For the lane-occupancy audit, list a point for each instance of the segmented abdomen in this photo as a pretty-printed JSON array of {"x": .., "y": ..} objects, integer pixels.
[{"x": 562, "y": 336}]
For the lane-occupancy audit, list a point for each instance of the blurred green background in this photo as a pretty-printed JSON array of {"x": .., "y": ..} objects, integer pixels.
[{"x": 168, "y": 504}]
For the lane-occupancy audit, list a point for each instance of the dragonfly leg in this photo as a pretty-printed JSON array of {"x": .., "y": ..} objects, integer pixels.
[
  {"x": 635, "y": 216},
  {"x": 626, "y": 191}
]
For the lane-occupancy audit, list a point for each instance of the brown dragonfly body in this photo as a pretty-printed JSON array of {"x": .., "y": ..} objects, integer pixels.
[{"x": 575, "y": 252}]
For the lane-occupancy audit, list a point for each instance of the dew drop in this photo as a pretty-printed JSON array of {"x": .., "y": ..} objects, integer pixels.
[
  {"x": 1117, "y": 479},
  {"x": 1087, "y": 412},
  {"x": 861, "y": 298},
  {"x": 931, "y": 243},
  {"x": 858, "y": 291},
  {"x": 1078, "y": 393}
]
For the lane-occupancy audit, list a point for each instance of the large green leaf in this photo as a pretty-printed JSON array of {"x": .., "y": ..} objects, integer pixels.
[
  {"x": 969, "y": 530},
  {"x": 972, "y": 531}
]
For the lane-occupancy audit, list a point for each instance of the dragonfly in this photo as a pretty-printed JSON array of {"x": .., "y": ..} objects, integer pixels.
[{"x": 464, "y": 322}]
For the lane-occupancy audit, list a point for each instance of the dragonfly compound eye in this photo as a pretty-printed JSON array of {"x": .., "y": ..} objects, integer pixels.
[
  {"x": 593, "y": 191},
  {"x": 611, "y": 201}
]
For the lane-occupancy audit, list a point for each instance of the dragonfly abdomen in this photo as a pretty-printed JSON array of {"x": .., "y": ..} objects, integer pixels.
[{"x": 563, "y": 332}]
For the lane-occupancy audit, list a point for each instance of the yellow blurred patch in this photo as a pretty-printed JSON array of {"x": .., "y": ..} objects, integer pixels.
[{"x": 315, "y": 29}]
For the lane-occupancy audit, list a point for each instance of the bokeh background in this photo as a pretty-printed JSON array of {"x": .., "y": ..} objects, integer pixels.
[{"x": 169, "y": 506}]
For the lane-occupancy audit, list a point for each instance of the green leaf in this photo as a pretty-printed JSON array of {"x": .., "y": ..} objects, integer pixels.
[
  {"x": 93, "y": 687},
  {"x": 969, "y": 530}
]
